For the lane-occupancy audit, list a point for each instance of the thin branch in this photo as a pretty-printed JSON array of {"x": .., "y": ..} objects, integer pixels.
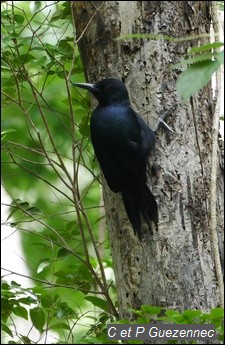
[
  {"x": 48, "y": 283},
  {"x": 90, "y": 20},
  {"x": 34, "y": 173}
]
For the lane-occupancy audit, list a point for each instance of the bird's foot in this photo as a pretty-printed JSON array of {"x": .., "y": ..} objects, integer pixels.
[{"x": 161, "y": 122}]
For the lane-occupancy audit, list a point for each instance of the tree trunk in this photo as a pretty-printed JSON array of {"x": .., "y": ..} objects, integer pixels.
[{"x": 174, "y": 267}]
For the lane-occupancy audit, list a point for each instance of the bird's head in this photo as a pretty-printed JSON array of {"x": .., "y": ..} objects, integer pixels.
[{"x": 107, "y": 91}]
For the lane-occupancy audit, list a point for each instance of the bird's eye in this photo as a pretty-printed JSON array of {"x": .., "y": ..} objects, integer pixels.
[{"x": 108, "y": 89}]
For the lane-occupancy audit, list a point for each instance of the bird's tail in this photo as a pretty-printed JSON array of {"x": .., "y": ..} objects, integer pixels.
[{"x": 140, "y": 202}]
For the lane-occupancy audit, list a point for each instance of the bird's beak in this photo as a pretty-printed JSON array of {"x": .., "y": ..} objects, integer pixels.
[{"x": 87, "y": 86}]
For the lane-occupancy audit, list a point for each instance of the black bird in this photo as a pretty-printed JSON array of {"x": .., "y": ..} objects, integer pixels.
[{"x": 122, "y": 143}]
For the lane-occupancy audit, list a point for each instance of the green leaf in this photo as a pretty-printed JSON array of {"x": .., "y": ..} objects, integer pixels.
[
  {"x": 84, "y": 129},
  {"x": 172, "y": 313},
  {"x": 98, "y": 302},
  {"x": 6, "y": 329},
  {"x": 26, "y": 340},
  {"x": 18, "y": 18},
  {"x": 60, "y": 326},
  {"x": 195, "y": 77},
  {"x": 5, "y": 285},
  {"x": 4, "y": 134},
  {"x": 61, "y": 74},
  {"x": 66, "y": 12},
  {"x": 64, "y": 310},
  {"x": 205, "y": 47},
  {"x": 73, "y": 228},
  {"x": 46, "y": 300},
  {"x": 6, "y": 308},
  {"x": 15, "y": 284},
  {"x": 65, "y": 272},
  {"x": 151, "y": 309},
  {"x": 37, "y": 316},
  {"x": 198, "y": 58},
  {"x": 14, "y": 210},
  {"x": 142, "y": 319},
  {"x": 216, "y": 313},
  {"x": 34, "y": 210},
  {"x": 220, "y": 57},
  {"x": 21, "y": 312},
  {"x": 17, "y": 205},
  {"x": 62, "y": 253},
  {"x": 27, "y": 300},
  {"x": 40, "y": 62},
  {"x": 162, "y": 37},
  {"x": 84, "y": 287},
  {"x": 25, "y": 58},
  {"x": 65, "y": 48},
  {"x": 50, "y": 49},
  {"x": 42, "y": 266},
  {"x": 192, "y": 314}
]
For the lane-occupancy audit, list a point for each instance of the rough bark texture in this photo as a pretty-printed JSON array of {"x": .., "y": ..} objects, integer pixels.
[{"x": 174, "y": 267}]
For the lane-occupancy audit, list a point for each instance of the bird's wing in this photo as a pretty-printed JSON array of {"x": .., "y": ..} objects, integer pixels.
[{"x": 121, "y": 142}]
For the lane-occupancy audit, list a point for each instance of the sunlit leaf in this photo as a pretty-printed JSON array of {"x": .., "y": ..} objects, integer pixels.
[
  {"x": 195, "y": 77},
  {"x": 6, "y": 133},
  {"x": 42, "y": 266}
]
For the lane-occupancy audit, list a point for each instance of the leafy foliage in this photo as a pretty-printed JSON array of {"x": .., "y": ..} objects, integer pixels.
[
  {"x": 56, "y": 198},
  {"x": 154, "y": 315},
  {"x": 206, "y": 61},
  {"x": 201, "y": 69},
  {"x": 53, "y": 180},
  {"x": 150, "y": 314}
]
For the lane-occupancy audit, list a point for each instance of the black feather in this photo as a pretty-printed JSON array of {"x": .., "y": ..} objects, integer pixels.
[{"x": 122, "y": 142}]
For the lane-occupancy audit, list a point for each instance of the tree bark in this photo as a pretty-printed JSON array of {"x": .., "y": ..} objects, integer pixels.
[{"x": 174, "y": 267}]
